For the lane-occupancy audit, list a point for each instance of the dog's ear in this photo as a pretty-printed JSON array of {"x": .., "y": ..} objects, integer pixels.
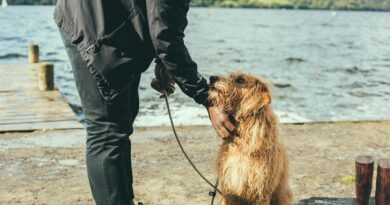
[
  {"x": 266, "y": 99},
  {"x": 253, "y": 103}
]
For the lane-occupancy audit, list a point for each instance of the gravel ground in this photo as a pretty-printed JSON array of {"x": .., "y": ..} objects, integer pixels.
[{"x": 47, "y": 167}]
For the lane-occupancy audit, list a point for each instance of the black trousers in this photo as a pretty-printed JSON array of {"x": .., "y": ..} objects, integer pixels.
[{"x": 108, "y": 126}]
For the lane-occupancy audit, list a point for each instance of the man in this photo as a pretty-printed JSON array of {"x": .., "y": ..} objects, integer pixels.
[{"x": 110, "y": 43}]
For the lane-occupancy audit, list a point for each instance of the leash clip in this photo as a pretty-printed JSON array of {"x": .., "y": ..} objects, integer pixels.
[{"x": 212, "y": 193}]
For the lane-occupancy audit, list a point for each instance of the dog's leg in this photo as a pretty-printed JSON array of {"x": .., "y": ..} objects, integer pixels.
[
  {"x": 282, "y": 194},
  {"x": 231, "y": 200},
  {"x": 260, "y": 202},
  {"x": 225, "y": 201},
  {"x": 222, "y": 201}
]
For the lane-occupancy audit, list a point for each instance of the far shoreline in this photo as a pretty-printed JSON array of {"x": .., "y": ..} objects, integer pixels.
[{"x": 253, "y": 8}]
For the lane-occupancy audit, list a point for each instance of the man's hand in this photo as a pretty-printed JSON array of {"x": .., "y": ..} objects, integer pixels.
[
  {"x": 163, "y": 82},
  {"x": 221, "y": 122}
]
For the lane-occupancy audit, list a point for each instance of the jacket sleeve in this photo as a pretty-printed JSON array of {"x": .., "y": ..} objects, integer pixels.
[{"x": 167, "y": 20}]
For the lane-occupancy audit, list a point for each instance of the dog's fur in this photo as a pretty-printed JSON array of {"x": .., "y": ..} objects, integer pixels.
[{"x": 252, "y": 165}]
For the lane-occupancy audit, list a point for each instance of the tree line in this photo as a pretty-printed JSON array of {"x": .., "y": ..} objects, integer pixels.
[
  {"x": 375, "y": 5},
  {"x": 31, "y": 2}
]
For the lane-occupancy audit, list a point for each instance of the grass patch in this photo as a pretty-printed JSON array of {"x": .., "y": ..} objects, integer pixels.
[{"x": 349, "y": 179}]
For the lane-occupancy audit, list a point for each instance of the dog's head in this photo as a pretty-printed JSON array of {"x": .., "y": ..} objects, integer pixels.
[{"x": 240, "y": 94}]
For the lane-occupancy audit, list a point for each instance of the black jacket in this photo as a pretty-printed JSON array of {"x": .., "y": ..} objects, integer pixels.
[{"x": 120, "y": 38}]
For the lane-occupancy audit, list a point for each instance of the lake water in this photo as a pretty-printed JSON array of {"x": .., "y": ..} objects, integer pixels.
[{"x": 325, "y": 65}]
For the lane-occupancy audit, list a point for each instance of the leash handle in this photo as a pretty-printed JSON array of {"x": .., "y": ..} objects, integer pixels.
[{"x": 215, "y": 187}]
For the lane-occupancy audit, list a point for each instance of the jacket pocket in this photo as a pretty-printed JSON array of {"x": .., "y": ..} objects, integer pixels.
[{"x": 115, "y": 60}]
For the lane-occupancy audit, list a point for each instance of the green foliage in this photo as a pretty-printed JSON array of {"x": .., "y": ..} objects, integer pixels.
[
  {"x": 31, "y": 2},
  {"x": 349, "y": 179},
  {"x": 374, "y": 5}
]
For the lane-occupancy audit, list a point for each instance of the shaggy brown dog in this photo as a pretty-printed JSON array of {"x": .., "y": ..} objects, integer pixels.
[{"x": 252, "y": 165}]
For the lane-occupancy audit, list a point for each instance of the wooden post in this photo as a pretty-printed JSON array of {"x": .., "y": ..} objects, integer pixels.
[
  {"x": 33, "y": 54},
  {"x": 46, "y": 76},
  {"x": 364, "y": 171},
  {"x": 382, "y": 194}
]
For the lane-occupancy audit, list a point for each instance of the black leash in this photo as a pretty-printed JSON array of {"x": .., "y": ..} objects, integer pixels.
[{"x": 213, "y": 193}]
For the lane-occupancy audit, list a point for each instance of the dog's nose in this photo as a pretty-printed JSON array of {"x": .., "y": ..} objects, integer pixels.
[{"x": 213, "y": 79}]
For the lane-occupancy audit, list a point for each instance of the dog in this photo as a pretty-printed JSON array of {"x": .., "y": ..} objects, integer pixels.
[{"x": 252, "y": 165}]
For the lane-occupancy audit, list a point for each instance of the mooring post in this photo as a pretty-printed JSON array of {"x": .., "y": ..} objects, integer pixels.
[
  {"x": 33, "y": 54},
  {"x": 46, "y": 76},
  {"x": 364, "y": 171},
  {"x": 382, "y": 194}
]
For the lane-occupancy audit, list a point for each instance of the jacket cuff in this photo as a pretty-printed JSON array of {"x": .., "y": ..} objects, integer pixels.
[
  {"x": 202, "y": 98},
  {"x": 207, "y": 103}
]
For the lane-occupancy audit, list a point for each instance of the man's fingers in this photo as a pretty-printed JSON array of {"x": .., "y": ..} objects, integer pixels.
[
  {"x": 220, "y": 133},
  {"x": 226, "y": 122},
  {"x": 170, "y": 88},
  {"x": 166, "y": 76},
  {"x": 229, "y": 125},
  {"x": 160, "y": 86},
  {"x": 221, "y": 122},
  {"x": 157, "y": 71},
  {"x": 223, "y": 132},
  {"x": 156, "y": 85}
]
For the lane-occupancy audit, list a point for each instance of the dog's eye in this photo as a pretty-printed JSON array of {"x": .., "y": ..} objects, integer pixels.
[{"x": 239, "y": 80}]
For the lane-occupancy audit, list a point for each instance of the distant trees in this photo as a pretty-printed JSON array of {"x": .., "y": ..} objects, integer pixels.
[
  {"x": 377, "y": 5},
  {"x": 202, "y": 2},
  {"x": 32, "y": 2},
  {"x": 382, "y": 5}
]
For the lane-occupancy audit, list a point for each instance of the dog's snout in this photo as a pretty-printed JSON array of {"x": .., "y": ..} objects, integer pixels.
[{"x": 213, "y": 79}]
